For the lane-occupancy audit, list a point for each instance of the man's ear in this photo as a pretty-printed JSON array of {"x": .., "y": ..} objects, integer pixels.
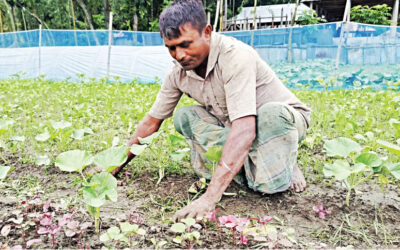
[{"x": 207, "y": 31}]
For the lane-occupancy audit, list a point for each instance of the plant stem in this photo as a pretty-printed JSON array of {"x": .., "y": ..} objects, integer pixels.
[
  {"x": 83, "y": 177},
  {"x": 348, "y": 196},
  {"x": 96, "y": 220}
]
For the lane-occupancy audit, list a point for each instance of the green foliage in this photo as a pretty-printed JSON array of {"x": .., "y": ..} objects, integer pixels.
[
  {"x": 4, "y": 171},
  {"x": 74, "y": 160},
  {"x": 378, "y": 14},
  {"x": 111, "y": 158},
  {"x": 310, "y": 17}
]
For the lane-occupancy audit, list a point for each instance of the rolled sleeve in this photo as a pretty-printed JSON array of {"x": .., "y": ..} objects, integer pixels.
[
  {"x": 240, "y": 84},
  {"x": 167, "y": 99}
]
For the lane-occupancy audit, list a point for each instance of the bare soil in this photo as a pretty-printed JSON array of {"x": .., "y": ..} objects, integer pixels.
[{"x": 371, "y": 221}]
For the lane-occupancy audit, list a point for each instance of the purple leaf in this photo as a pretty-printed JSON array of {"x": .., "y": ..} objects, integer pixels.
[
  {"x": 243, "y": 240},
  {"x": 31, "y": 242},
  {"x": 65, "y": 219},
  {"x": 321, "y": 211},
  {"x": 17, "y": 247},
  {"x": 73, "y": 224},
  {"x": 69, "y": 233},
  {"x": 54, "y": 229},
  {"x": 46, "y": 206},
  {"x": 86, "y": 225},
  {"x": 43, "y": 230},
  {"x": 45, "y": 221},
  {"x": 268, "y": 218}
]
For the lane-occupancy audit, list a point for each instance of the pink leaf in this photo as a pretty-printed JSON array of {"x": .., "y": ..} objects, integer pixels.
[
  {"x": 55, "y": 229},
  {"x": 268, "y": 218},
  {"x": 46, "y": 206},
  {"x": 31, "y": 242},
  {"x": 69, "y": 233},
  {"x": 86, "y": 225},
  {"x": 73, "y": 224},
  {"x": 243, "y": 240},
  {"x": 65, "y": 219},
  {"x": 17, "y": 247},
  {"x": 45, "y": 221},
  {"x": 43, "y": 230}
]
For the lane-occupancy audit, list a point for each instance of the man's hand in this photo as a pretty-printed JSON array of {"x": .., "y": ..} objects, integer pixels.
[{"x": 198, "y": 208}]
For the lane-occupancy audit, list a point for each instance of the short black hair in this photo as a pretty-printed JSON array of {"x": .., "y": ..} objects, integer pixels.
[{"x": 179, "y": 13}]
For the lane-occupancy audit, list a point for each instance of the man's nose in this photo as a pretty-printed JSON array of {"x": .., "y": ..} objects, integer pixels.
[{"x": 180, "y": 54}]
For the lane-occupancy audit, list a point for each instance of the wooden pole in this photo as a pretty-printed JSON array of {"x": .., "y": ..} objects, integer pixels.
[
  {"x": 345, "y": 19},
  {"x": 23, "y": 17},
  {"x": 39, "y": 51},
  {"x": 226, "y": 15},
  {"x": 221, "y": 15},
  {"x": 290, "y": 57},
  {"x": 109, "y": 44},
  {"x": 395, "y": 15},
  {"x": 216, "y": 16},
  {"x": 255, "y": 15},
  {"x": 1, "y": 22},
  {"x": 73, "y": 22}
]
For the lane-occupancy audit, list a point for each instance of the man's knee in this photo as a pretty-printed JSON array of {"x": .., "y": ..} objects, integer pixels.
[{"x": 182, "y": 118}]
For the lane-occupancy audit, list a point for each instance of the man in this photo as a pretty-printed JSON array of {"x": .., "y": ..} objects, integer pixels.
[{"x": 245, "y": 108}]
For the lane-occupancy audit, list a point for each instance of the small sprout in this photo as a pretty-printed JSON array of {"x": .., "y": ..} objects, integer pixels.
[{"x": 321, "y": 211}]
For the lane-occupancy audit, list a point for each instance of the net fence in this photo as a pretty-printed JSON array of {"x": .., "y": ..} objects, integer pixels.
[{"x": 65, "y": 53}]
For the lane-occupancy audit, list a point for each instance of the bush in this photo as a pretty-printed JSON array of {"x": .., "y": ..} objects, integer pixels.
[
  {"x": 310, "y": 17},
  {"x": 378, "y": 14}
]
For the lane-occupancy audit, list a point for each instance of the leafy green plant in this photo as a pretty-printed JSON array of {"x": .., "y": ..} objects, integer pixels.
[
  {"x": 123, "y": 234},
  {"x": 4, "y": 170},
  {"x": 213, "y": 155},
  {"x": 378, "y": 14},
  {"x": 310, "y": 17},
  {"x": 187, "y": 235}
]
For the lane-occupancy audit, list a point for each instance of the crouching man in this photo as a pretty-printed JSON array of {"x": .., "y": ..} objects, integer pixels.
[{"x": 244, "y": 107}]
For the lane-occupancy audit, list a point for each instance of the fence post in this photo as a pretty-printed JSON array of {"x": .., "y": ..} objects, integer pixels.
[
  {"x": 109, "y": 44},
  {"x": 345, "y": 19},
  {"x": 39, "y": 51}
]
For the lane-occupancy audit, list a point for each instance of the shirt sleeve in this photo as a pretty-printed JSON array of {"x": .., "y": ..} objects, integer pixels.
[
  {"x": 239, "y": 72},
  {"x": 167, "y": 99}
]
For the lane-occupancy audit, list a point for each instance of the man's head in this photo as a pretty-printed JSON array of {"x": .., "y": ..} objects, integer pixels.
[{"x": 186, "y": 34}]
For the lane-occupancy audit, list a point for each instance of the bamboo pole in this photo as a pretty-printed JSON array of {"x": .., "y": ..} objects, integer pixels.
[
  {"x": 73, "y": 22},
  {"x": 345, "y": 19},
  {"x": 290, "y": 56},
  {"x": 109, "y": 44},
  {"x": 221, "y": 15},
  {"x": 254, "y": 23},
  {"x": 1, "y": 22},
  {"x": 40, "y": 51},
  {"x": 395, "y": 15},
  {"x": 216, "y": 16}
]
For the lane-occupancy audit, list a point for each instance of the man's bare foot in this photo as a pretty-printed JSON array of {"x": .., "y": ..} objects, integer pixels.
[
  {"x": 117, "y": 170},
  {"x": 298, "y": 182}
]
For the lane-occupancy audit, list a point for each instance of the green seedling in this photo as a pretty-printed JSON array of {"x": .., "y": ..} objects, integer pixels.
[
  {"x": 123, "y": 234},
  {"x": 158, "y": 245},
  {"x": 4, "y": 170},
  {"x": 213, "y": 155},
  {"x": 187, "y": 236},
  {"x": 353, "y": 168},
  {"x": 101, "y": 186},
  {"x": 177, "y": 141}
]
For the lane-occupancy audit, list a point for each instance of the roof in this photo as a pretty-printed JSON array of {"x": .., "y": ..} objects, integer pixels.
[
  {"x": 266, "y": 12},
  {"x": 334, "y": 9}
]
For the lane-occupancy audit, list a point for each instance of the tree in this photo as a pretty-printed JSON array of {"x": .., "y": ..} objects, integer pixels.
[{"x": 378, "y": 14}]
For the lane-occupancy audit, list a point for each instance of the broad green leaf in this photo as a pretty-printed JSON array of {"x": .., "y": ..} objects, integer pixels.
[
  {"x": 137, "y": 149},
  {"x": 74, "y": 160},
  {"x": 113, "y": 232},
  {"x": 42, "y": 160},
  {"x": 42, "y": 137},
  {"x": 111, "y": 158},
  {"x": 340, "y": 169},
  {"x": 177, "y": 239},
  {"x": 358, "y": 167},
  {"x": 369, "y": 159},
  {"x": 394, "y": 169},
  {"x": 104, "y": 237},
  {"x": 5, "y": 123},
  {"x": 178, "y": 228},
  {"x": 389, "y": 146},
  {"x": 189, "y": 222},
  {"x": 4, "y": 171},
  {"x": 396, "y": 125},
  {"x": 102, "y": 187},
  {"x": 78, "y": 134},
  {"x": 177, "y": 141},
  {"x": 127, "y": 227},
  {"x": 141, "y": 231},
  {"x": 88, "y": 131},
  {"x": 148, "y": 139},
  {"x": 18, "y": 138},
  {"x": 60, "y": 124},
  {"x": 214, "y": 153},
  {"x": 178, "y": 155},
  {"x": 341, "y": 147},
  {"x": 196, "y": 234}
]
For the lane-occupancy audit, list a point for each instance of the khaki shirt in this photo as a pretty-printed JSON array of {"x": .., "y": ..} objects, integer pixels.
[{"x": 237, "y": 83}]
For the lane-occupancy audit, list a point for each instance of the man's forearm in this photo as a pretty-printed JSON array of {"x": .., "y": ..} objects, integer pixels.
[
  {"x": 146, "y": 127},
  {"x": 234, "y": 154}
]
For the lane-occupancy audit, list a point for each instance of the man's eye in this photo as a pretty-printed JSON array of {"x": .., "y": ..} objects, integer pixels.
[
  {"x": 185, "y": 45},
  {"x": 173, "y": 48}
]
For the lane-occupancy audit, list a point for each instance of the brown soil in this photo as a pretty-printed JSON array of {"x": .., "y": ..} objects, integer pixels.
[{"x": 371, "y": 220}]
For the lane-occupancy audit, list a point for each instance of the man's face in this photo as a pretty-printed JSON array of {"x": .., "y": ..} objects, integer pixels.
[{"x": 191, "y": 49}]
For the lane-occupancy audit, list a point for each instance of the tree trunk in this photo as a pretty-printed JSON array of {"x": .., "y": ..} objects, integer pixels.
[
  {"x": 9, "y": 10},
  {"x": 106, "y": 12},
  {"x": 1, "y": 22},
  {"x": 88, "y": 15},
  {"x": 14, "y": 13},
  {"x": 135, "y": 22}
]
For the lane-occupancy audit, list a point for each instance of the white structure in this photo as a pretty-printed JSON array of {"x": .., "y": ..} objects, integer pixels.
[{"x": 267, "y": 15}]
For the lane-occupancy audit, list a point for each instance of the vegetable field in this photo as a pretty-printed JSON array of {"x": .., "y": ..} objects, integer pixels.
[{"x": 59, "y": 141}]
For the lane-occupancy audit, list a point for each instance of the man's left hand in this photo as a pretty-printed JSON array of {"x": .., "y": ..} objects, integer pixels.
[{"x": 198, "y": 208}]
